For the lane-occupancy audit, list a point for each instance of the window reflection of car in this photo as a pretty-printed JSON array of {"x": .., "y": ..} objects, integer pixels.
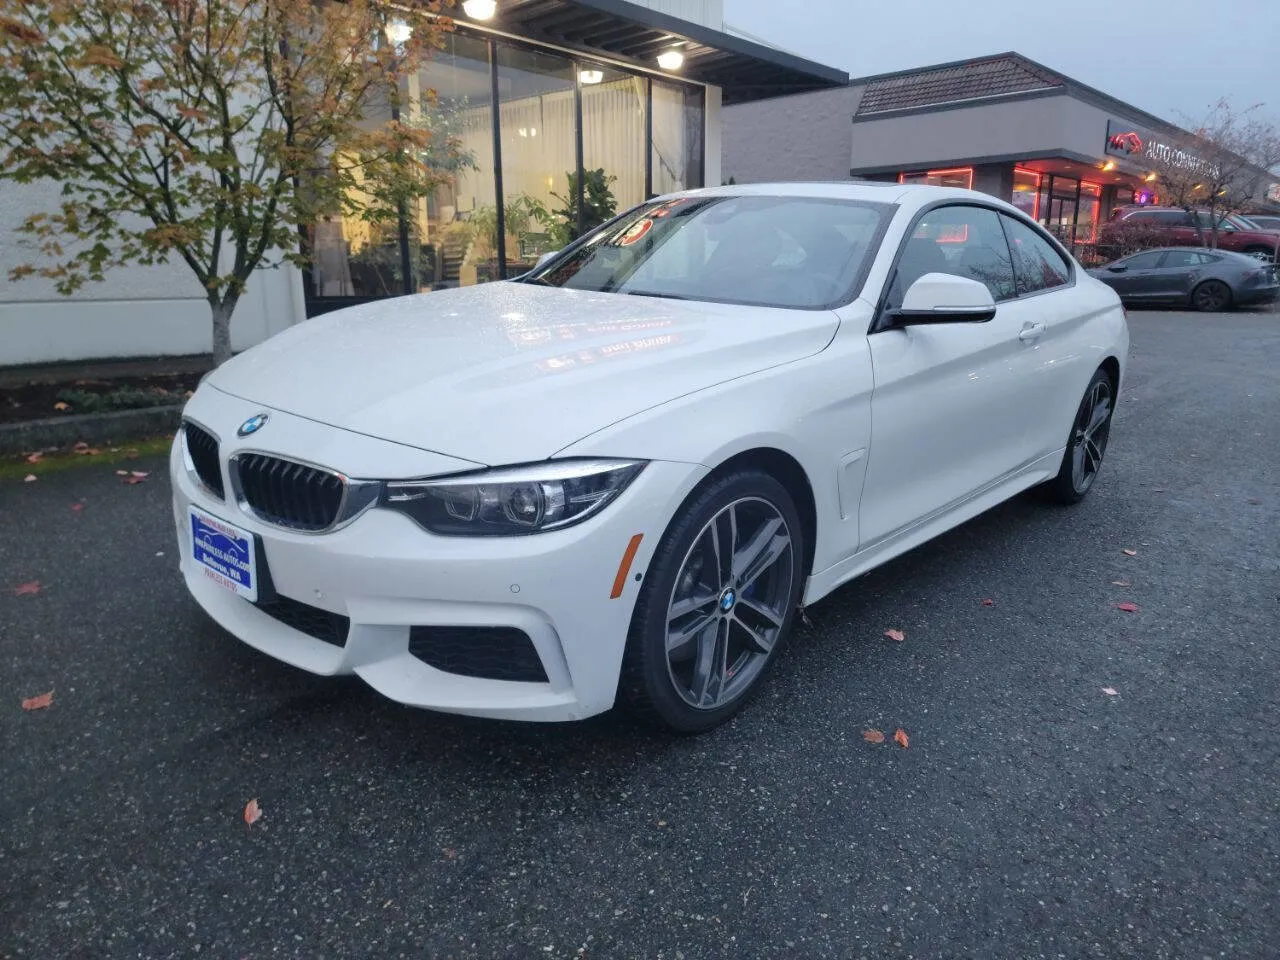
[{"x": 1206, "y": 280}]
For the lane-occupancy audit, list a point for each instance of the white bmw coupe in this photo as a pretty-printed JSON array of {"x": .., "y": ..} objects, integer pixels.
[{"x": 621, "y": 475}]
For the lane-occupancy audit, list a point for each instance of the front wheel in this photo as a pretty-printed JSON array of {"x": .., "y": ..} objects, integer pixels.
[
  {"x": 718, "y": 602},
  {"x": 1087, "y": 443}
]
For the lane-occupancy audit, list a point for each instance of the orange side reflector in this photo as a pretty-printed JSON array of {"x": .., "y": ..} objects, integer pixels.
[{"x": 624, "y": 567}]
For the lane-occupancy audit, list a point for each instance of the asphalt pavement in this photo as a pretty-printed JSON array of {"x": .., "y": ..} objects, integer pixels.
[{"x": 1034, "y": 814}]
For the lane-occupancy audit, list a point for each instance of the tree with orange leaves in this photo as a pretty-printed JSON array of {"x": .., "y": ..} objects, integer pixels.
[{"x": 211, "y": 131}]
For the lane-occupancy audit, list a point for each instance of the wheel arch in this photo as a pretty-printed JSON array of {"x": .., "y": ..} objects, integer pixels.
[{"x": 788, "y": 471}]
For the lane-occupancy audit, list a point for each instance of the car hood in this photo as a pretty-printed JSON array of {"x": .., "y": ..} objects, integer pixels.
[{"x": 511, "y": 372}]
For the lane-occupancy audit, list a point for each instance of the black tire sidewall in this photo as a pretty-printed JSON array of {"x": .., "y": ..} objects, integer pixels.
[
  {"x": 1224, "y": 301},
  {"x": 1063, "y": 486},
  {"x": 647, "y": 681}
]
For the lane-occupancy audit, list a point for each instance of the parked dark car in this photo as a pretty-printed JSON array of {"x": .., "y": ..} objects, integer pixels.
[
  {"x": 1134, "y": 227},
  {"x": 1207, "y": 280}
]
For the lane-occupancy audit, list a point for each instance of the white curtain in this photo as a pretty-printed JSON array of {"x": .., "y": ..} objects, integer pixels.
[{"x": 613, "y": 135}]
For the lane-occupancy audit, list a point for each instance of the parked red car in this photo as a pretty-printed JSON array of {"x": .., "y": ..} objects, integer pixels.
[{"x": 1136, "y": 227}]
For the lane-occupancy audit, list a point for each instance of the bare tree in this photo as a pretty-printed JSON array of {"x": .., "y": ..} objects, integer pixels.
[{"x": 1219, "y": 166}]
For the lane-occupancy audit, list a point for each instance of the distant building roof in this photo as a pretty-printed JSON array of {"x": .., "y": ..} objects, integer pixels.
[{"x": 954, "y": 82}]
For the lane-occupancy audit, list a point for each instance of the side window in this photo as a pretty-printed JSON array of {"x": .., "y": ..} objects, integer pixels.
[
  {"x": 1176, "y": 218},
  {"x": 1143, "y": 261},
  {"x": 1037, "y": 265},
  {"x": 1141, "y": 217},
  {"x": 961, "y": 240},
  {"x": 1183, "y": 258}
]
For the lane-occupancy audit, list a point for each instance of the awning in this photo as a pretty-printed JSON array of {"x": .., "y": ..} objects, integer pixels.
[{"x": 633, "y": 34}]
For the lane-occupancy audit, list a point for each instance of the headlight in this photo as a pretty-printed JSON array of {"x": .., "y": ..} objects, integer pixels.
[{"x": 513, "y": 500}]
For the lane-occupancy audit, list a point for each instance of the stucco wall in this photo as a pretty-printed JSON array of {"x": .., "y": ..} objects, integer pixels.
[
  {"x": 135, "y": 311},
  {"x": 801, "y": 137}
]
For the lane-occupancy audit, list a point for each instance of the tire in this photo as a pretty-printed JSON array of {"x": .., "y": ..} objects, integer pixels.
[
  {"x": 1087, "y": 442},
  {"x": 1211, "y": 296},
  {"x": 723, "y": 647}
]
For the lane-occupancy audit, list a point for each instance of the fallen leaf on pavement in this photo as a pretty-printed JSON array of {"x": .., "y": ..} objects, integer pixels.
[
  {"x": 136, "y": 476},
  {"x": 80, "y": 445},
  {"x": 61, "y": 406},
  {"x": 38, "y": 703},
  {"x": 1121, "y": 583},
  {"x": 450, "y": 853},
  {"x": 895, "y": 635},
  {"x": 1129, "y": 553},
  {"x": 27, "y": 589},
  {"x": 873, "y": 736},
  {"x": 252, "y": 812},
  {"x": 77, "y": 507},
  {"x": 88, "y": 452},
  {"x": 901, "y": 739},
  {"x": 1127, "y": 607},
  {"x": 35, "y": 457},
  {"x": 988, "y": 602},
  {"x": 1254, "y": 500},
  {"x": 1111, "y": 691},
  {"x": 122, "y": 473},
  {"x": 30, "y": 478}
]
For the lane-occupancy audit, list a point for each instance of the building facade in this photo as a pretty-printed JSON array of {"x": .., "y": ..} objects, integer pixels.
[
  {"x": 1062, "y": 151},
  {"x": 562, "y": 107}
]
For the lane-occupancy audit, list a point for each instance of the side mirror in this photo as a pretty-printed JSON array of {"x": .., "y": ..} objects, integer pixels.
[
  {"x": 544, "y": 258},
  {"x": 944, "y": 298},
  {"x": 1117, "y": 268}
]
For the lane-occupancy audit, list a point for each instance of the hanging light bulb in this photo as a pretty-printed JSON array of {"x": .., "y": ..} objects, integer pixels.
[
  {"x": 671, "y": 59},
  {"x": 480, "y": 9},
  {"x": 398, "y": 31},
  {"x": 590, "y": 76}
]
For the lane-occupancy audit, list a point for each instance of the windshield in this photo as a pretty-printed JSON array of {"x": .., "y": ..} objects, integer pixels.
[{"x": 794, "y": 252}]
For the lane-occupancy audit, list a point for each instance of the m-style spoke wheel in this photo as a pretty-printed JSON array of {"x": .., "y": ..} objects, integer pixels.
[
  {"x": 717, "y": 603},
  {"x": 729, "y": 602},
  {"x": 1087, "y": 444}
]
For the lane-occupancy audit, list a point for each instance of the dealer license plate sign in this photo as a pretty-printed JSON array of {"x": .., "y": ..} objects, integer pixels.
[{"x": 225, "y": 554}]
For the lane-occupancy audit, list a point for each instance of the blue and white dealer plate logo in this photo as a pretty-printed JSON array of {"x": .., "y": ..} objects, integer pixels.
[
  {"x": 225, "y": 554},
  {"x": 252, "y": 425}
]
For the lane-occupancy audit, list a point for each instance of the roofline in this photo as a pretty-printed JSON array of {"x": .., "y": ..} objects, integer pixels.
[
  {"x": 717, "y": 39},
  {"x": 1072, "y": 85}
]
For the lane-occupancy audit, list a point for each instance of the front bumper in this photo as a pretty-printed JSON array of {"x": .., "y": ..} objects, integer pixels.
[{"x": 387, "y": 575}]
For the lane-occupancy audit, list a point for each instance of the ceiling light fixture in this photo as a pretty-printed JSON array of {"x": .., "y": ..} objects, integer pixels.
[
  {"x": 590, "y": 76},
  {"x": 671, "y": 59},
  {"x": 480, "y": 9},
  {"x": 1109, "y": 165},
  {"x": 1150, "y": 177}
]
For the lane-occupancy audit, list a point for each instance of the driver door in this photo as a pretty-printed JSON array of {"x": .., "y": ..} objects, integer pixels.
[{"x": 949, "y": 413}]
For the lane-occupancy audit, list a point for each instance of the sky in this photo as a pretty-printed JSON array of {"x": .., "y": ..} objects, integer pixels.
[{"x": 1173, "y": 58}]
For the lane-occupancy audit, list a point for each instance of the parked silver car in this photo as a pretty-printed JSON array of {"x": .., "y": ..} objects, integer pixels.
[{"x": 1207, "y": 280}]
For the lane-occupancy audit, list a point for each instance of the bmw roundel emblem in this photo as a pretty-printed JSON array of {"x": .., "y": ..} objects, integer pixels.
[{"x": 252, "y": 425}]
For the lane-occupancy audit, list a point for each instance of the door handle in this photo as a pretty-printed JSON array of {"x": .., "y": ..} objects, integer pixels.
[{"x": 1031, "y": 331}]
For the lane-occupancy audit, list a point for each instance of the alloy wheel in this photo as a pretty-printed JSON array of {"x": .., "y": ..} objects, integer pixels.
[
  {"x": 729, "y": 603},
  {"x": 1211, "y": 296},
  {"x": 1089, "y": 437}
]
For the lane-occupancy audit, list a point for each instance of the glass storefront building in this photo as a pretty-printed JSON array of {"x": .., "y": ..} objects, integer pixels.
[{"x": 554, "y": 139}]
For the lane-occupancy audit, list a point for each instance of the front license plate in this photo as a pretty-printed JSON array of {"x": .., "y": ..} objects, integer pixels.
[{"x": 225, "y": 553}]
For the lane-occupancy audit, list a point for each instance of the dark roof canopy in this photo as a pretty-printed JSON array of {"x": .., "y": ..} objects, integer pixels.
[
  {"x": 956, "y": 82},
  {"x": 628, "y": 32}
]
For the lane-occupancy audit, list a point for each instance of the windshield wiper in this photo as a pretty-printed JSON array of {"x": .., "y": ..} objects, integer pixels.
[{"x": 655, "y": 293}]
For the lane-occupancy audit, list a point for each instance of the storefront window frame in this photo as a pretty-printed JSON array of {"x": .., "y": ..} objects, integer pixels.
[{"x": 316, "y": 305}]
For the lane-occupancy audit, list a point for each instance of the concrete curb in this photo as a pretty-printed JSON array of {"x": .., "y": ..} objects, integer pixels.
[{"x": 95, "y": 429}]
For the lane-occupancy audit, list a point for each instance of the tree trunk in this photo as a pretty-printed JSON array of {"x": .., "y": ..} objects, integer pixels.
[{"x": 222, "y": 329}]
